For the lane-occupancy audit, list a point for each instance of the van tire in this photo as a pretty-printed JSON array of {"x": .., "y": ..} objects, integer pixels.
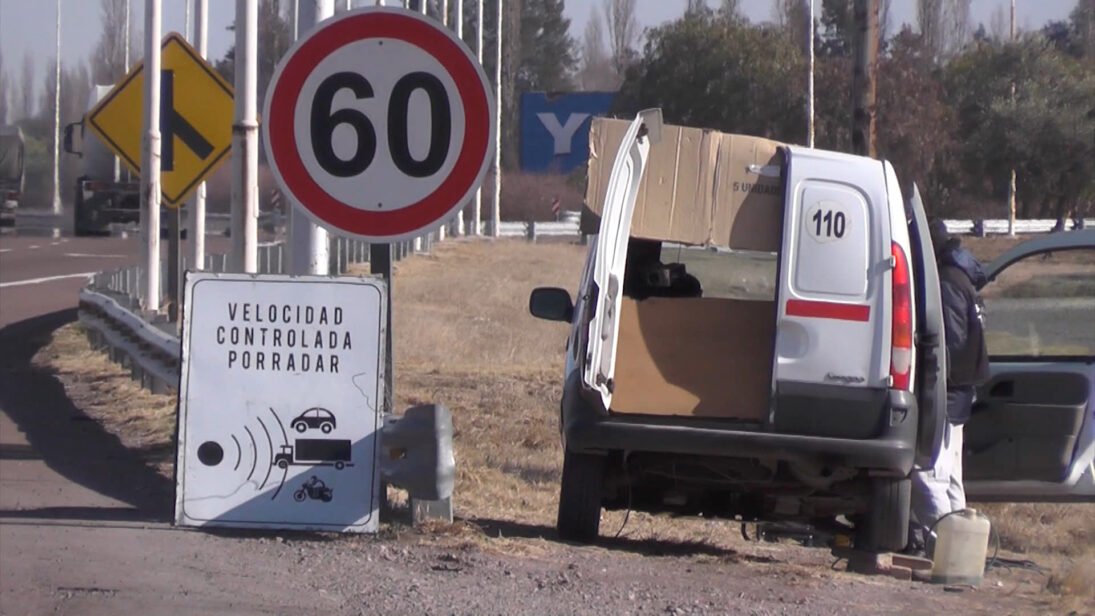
[
  {"x": 580, "y": 497},
  {"x": 886, "y": 521}
]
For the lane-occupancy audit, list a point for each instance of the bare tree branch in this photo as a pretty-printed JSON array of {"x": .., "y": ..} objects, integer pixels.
[
  {"x": 623, "y": 31},
  {"x": 596, "y": 70},
  {"x": 108, "y": 61},
  {"x": 26, "y": 89}
]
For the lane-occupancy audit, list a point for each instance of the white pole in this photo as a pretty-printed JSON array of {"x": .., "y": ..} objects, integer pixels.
[
  {"x": 294, "y": 20},
  {"x": 128, "y": 36},
  {"x": 810, "y": 103},
  {"x": 424, "y": 6},
  {"x": 477, "y": 218},
  {"x": 188, "y": 31},
  {"x": 197, "y": 213},
  {"x": 245, "y": 141},
  {"x": 150, "y": 156},
  {"x": 496, "y": 206},
  {"x": 459, "y": 222},
  {"x": 1011, "y": 182},
  {"x": 308, "y": 242},
  {"x": 445, "y": 13},
  {"x": 57, "y": 119}
]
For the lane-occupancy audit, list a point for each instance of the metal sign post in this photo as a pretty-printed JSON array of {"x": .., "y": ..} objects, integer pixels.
[{"x": 150, "y": 158}]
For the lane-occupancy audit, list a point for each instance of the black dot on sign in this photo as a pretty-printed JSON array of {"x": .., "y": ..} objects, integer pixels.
[{"x": 210, "y": 453}]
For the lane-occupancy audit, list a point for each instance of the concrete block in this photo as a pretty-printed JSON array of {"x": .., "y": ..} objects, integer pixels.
[{"x": 423, "y": 510}]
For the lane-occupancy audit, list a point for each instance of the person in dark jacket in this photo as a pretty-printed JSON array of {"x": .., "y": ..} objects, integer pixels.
[{"x": 938, "y": 491}]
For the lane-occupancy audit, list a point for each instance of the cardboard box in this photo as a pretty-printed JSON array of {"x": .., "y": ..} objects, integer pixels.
[
  {"x": 701, "y": 187},
  {"x": 695, "y": 357}
]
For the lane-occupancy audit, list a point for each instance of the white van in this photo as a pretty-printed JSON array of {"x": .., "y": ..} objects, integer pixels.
[{"x": 760, "y": 339}]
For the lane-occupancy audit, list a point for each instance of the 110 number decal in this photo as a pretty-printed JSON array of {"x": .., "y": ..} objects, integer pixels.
[
  {"x": 829, "y": 224},
  {"x": 324, "y": 121}
]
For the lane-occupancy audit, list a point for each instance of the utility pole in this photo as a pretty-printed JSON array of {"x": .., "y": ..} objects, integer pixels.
[
  {"x": 477, "y": 218},
  {"x": 865, "y": 78},
  {"x": 1011, "y": 182},
  {"x": 810, "y": 102},
  {"x": 461, "y": 228},
  {"x": 128, "y": 38},
  {"x": 308, "y": 242},
  {"x": 56, "y": 118},
  {"x": 197, "y": 213},
  {"x": 150, "y": 156},
  {"x": 245, "y": 155},
  {"x": 496, "y": 205}
]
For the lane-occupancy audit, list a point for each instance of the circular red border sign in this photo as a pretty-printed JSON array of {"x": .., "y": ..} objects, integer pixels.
[{"x": 471, "y": 83}]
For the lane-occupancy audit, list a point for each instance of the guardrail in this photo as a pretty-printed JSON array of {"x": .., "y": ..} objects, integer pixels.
[{"x": 148, "y": 343}]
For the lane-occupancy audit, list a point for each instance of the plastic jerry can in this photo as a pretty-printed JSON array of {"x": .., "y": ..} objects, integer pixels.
[{"x": 962, "y": 541}]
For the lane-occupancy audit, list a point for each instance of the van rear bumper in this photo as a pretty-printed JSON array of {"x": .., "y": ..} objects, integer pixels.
[{"x": 586, "y": 430}]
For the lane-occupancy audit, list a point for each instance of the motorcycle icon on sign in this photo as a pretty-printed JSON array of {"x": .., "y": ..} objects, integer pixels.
[{"x": 313, "y": 489}]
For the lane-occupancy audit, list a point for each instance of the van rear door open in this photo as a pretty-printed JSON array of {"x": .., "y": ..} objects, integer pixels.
[
  {"x": 610, "y": 257},
  {"x": 833, "y": 341}
]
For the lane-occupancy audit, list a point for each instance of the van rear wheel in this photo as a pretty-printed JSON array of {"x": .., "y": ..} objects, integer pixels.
[
  {"x": 886, "y": 522},
  {"x": 580, "y": 497}
]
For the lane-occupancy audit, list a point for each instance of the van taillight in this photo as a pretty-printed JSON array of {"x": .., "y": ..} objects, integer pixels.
[{"x": 902, "y": 335}]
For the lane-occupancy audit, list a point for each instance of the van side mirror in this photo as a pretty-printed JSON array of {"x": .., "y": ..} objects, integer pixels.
[
  {"x": 70, "y": 147},
  {"x": 551, "y": 304}
]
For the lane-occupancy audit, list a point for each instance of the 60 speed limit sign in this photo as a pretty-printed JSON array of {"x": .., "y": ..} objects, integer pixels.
[{"x": 379, "y": 124}]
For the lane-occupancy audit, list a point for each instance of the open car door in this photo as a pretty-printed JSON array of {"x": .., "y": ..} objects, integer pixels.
[
  {"x": 1031, "y": 436},
  {"x": 931, "y": 386},
  {"x": 611, "y": 250}
]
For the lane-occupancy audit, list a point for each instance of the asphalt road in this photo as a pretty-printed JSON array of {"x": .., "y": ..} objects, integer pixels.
[{"x": 84, "y": 525}]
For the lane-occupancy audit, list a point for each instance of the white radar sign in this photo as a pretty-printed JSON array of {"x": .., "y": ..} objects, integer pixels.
[
  {"x": 379, "y": 124},
  {"x": 280, "y": 400}
]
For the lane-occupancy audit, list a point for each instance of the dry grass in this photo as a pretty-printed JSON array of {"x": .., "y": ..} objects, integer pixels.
[{"x": 106, "y": 392}]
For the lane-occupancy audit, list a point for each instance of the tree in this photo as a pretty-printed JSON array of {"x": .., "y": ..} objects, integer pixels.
[
  {"x": 274, "y": 38},
  {"x": 108, "y": 61},
  {"x": 837, "y": 28},
  {"x": 793, "y": 17},
  {"x": 623, "y": 32},
  {"x": 915, "y": 125},
  {"x": 1082, "y": 19},
  {"x": 596, "y": 71},
  {"x": 26, "y": 88},
  {"x": 1046, "y": 132},
  {"x": 4, "y": 91},
  {"x": 715, "y": 72},
  {"x": 730, "y": 9},
  {"x": 547, "y": 52}
]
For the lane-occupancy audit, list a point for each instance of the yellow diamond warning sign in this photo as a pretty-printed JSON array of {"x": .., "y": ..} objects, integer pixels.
[{"x": 195, "y": 119}]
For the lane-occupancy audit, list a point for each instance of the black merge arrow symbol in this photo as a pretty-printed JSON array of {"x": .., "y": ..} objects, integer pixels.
[{"x": 172, "y": 125}]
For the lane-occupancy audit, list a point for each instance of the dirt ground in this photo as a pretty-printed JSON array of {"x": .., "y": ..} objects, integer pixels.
[{"x": 464, "y": 339}]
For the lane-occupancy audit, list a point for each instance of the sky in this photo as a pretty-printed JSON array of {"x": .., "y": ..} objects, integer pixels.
[{"x": 27, "y": 26}]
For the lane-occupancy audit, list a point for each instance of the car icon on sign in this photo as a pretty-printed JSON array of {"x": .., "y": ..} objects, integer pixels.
[{"x": 314, "y": 418}]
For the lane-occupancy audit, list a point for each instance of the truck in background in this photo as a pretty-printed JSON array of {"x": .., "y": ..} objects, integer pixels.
[
  {"x": 104, "y": 192},
  {"x": 11, "y": 172}
]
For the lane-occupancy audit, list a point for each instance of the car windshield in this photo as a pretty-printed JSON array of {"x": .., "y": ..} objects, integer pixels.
[{"x": 1043, "y": 305}]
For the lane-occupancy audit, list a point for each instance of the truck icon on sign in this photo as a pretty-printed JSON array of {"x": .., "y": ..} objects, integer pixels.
[{"x": 314, "y": 452}]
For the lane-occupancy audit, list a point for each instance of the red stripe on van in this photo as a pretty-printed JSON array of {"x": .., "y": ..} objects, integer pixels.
[{"x": 828, "y": 310}]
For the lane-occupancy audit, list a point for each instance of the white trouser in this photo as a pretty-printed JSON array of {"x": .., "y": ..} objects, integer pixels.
[{"x": 938, "y": 491}]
